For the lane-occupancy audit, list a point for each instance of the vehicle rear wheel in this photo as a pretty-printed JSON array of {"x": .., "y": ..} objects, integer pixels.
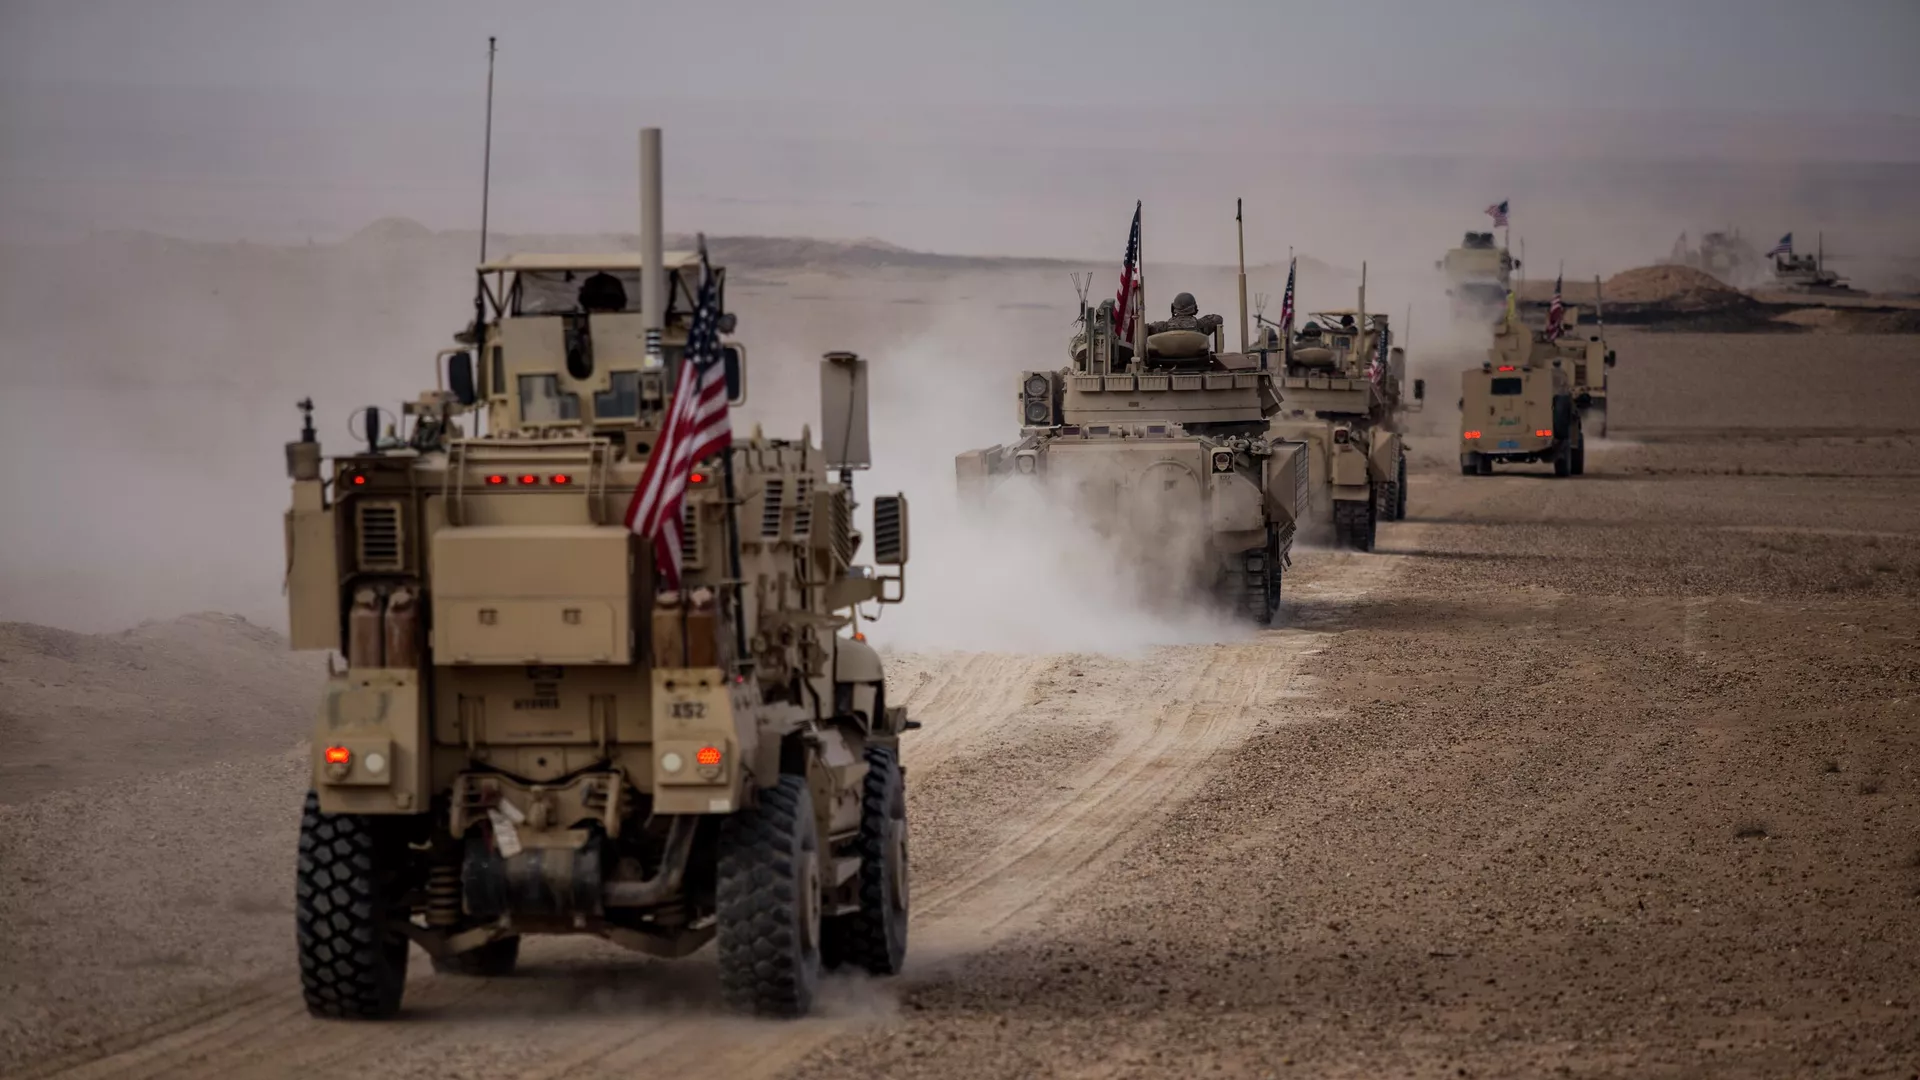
[
  {"x": 347, "y": 915},
  {"x": 1469, "y": 464},
  {"x": 768, "y": 903},
  {"x": 1579, "y": 463},
  {"x": 495, "y": 958},
  {"x": 1483, "y": 466},
  {"x": 875, "y": 937},
  {"x": 1400, "y": 491},
  {"x": 1563, "y": 458}
]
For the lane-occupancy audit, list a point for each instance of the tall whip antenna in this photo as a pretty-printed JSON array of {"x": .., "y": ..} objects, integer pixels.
[{"x": 486, "y": 164}]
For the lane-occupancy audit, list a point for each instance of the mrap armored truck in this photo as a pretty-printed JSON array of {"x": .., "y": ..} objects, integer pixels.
[
  {"x": 1533, "y": 397},
  {"x": 533, "y": 733},
  {"x": 1161, "y": 444},
  {"x": 1343, "y": 386},
  {"x": 1479, "y": 273}
]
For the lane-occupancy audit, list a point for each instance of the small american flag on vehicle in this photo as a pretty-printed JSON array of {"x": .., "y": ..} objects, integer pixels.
[
  {"x": 1784, "y": 247},
  {"x": 1286, "y": 301},
  {"x": 1556, "y": 314},
  {"x": 1126, "y": 300},
  {"x": 1377, "y": 371},
  {"x": 697, "y": 427},
  {"x": 1499, "y": 212}
]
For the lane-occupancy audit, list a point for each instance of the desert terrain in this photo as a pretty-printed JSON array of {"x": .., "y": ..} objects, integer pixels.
[{"x": 1609, "y": 775}]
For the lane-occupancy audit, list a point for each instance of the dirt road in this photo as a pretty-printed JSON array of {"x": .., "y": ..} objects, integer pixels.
[{"x": 1615, "y": 775}]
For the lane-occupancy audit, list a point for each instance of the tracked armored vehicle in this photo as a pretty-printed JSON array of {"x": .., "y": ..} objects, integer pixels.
[
  {"x": 1534, "y": 397},
  {"x": 1478, "y": 273},
  {"x": 1343, "y": 394},
  {"x": 531, "y": 733},
  {"x": 1161, "y": 444}
]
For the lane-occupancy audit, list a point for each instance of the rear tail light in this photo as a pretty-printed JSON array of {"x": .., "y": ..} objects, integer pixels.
[
  {"x": 496, "y": 479},
  {"x": 561, "y": 479},
  {"x": 338, "y": 755},
  {"x": 528, "y": 479},
  {"x": 1545, "y": 433},
  {"x": 1471, "y": 435},
  {"x": 707, "y": 755}
]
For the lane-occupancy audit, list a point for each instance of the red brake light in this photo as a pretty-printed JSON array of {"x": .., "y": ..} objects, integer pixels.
[
  {"x": 707, "y": 755},
  {"x": 338, "y": 755},
  {"x": 1506, "y": 367},
  {"x": 697, "y": 478},
  {"x": 1472, "y": 435},
  {"x": 561, "y": 478},
  {"x": 529, "y": 478},
  {"x": 496, "y": 478},
  {"x": 1545, "y": 433},
  {"x": 359, "y": 479}
]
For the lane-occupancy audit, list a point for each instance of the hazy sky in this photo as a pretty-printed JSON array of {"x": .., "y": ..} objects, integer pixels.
[{"x": 1799, "y": 55}]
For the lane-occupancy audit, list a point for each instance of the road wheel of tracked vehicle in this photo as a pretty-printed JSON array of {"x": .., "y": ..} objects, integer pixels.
[
  {"x": 768, "y": 903},
  {"x": 347, "y": 915},
  {"x": 875, "y": 937},
  {"x": 1354, "y": 523},
  {"x": 1400, "y": 489},
  {"x": 495, "y": 958}
]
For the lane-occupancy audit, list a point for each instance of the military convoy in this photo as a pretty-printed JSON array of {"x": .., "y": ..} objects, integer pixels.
[
  {"x": 1343, "y": 393},
  {"x": 530, "y": 735},
  {"x": 1534, "y": 397},
  {"x": 1479, "y": 273},
  {"x": 1161, "y": 442}
]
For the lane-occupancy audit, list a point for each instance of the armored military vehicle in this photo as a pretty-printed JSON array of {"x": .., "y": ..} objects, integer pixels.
[
  {"x": 1532, "y": 399},
  {"x": 1809, "y": 273},
  {"x": 533, "y": 733},
  {"x": 1479, "y": 273},
  {"x": 1723, "y": 253},
  {"x": 1161, "y": 443},
  {"x": 1343, "y": 389}
]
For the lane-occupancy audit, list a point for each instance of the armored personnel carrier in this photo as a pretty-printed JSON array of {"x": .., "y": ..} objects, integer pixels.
[
  {"x": 1161, "y": 443},
  {"x": 1533, "y": 397},
  {"x": 1809, "y": 273},
  {"x": 1343, "y": 386},
  {"x": 536, "y": 731},
  {"x": 1479, "y": 273}
]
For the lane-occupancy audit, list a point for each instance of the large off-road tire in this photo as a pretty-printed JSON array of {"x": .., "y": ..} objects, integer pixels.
[
  {"x": 1578, "y": 461},
  {"x": 1386, "y": 497},
  {"x": 1483, "y": 466},
  {"x": 1469, "y": 464},
  {"x": 1354, "y": 523},
  {"x": 767, "y": 895},
  {"x": 1563, "y": 458},
  {"x": 495, "y": 958},
  {"x": 1400, "y": 490},
  {"x": 353, "y": 952},
  {"x": 875, "y": 937}
]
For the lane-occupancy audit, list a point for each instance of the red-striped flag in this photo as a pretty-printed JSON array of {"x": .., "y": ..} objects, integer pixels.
[
  {"x": 1556, "y": 314},
  {"x": 697, "y": 428},
  {"x": 1286, "y": 302},
  {"x": 1126, "y": 300}
]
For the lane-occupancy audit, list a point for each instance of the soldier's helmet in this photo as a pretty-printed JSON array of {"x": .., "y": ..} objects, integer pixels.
[{"x": 1184, "y": 304}]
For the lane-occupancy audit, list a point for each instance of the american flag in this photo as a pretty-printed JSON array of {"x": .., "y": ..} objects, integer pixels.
[
  {"x": 1377, "y": 371},
  {"x": 1784, "y": 247},
  {"x": 1556, "y": 314},
  {"x": 1125, "y": 300},
  {"x": 697, "y": 427},
  {"x": 1499, "y": 212},
  {"x": 1286, "y": 302}
]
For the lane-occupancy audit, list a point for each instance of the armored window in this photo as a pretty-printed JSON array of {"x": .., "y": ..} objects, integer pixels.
[
  {"x": 541, "y": 401},
  {"x": 1507, "y": 387},
  {"x": 621, "y": 400}
]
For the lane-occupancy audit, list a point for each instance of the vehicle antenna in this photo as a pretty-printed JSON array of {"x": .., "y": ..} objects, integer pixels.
[
  {"x": 1240, "y": 226},
  {"x": 486, "y": 185}
]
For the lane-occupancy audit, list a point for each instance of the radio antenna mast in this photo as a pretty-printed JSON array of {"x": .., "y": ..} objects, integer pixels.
[{"x": 486, "y": 192}]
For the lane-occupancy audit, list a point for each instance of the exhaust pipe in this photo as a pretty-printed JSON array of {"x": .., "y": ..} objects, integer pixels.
[{"x": 653, "y": 274}]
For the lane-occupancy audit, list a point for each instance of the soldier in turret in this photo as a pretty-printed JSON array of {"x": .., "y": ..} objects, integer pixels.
[{"x": 1186, "y": 317}]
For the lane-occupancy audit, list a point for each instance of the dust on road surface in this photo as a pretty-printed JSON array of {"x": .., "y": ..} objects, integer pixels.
[{"x": 1608, "y": 775}]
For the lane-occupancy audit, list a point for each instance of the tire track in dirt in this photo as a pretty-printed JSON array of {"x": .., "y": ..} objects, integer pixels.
[{"x": 573, "y": 1010}]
